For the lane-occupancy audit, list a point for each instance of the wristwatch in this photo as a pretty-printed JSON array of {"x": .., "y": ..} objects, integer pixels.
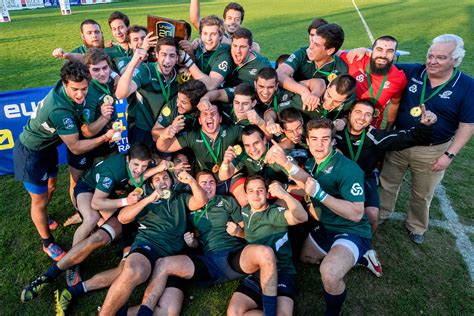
[{"x": 450, "y": 155}]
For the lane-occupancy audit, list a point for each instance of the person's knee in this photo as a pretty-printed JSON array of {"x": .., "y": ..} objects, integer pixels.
[
  {"x": 329, "y": 275},
  {"x": 266, "y": 256},
  {"x": 235, "y": 309},
  {"x": 99, "y": 239}
]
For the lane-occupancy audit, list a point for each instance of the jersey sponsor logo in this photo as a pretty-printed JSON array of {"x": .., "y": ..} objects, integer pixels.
[
  {"x": 136, "y": 72},
  {"x": 107, "y": 182},
  {"x": 445, "y": 94},
  {"x": 328, "y": 170},
  {"x": 285, "y": 97},
  {"x": 223, "y": 65},
  {"x": 417, "y": 81},
  {"x": 44, "y": 177},
  {"x": 253, "y": 72},
  {"x": 386, "y": 85},
  {"x": 360, "y": 78},
  {"x": 224, "y": 133},
  {"x": 68, "y": 123},
  {"x": 291, "y": 58},
  {"x": 282, "y": 285},
  {"x": 413, "y": 88},
  {"x": 120, "y": 65},
  {"x": 281, "y": 209},
  {"x": 87, "y": 113},
  {"x": 141, "y": 226},
  {"x": 160, "y": 118},
  {"x": 83, "y": 161},
  {"x": 220, "y": 204},
  {"x": 280, "y": 242},
  {"x": 48, "y": 128},
  {"x": 97, "y": 176},
  {"x": 356, "y": 189},
  {"x": 284, "y": 104}
]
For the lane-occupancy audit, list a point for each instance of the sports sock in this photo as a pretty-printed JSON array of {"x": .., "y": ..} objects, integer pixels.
[
  {"x": 144, "y": 311},
  {"x": 334, "y": 303},
  {"x": 363, "y": 261},
  {"x": 269, "y": 305},
  {"x": 53, "y": 272},
  {"x": 48, "y": 241},
  {"x": 77, "y": 289}
]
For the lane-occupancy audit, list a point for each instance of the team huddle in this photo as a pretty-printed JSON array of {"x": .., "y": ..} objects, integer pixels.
[{"x": 237, "y": 168}]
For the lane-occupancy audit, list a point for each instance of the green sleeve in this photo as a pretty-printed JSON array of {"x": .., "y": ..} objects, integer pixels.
[
  {"x": 186, "y": 140},
  {"x": 141, "y": 75},
  {"x": 106, "y": 183},
  {"x": 64, "y": 122},
  {"x": 297, "y": 58},
  {"x": 122, "y": 63},
  {"x": 276, "y": 216},
  {"x": 235, "y": 210},
  {"x": 351, "y": 184},
  {"x": 222, "y": 64}
]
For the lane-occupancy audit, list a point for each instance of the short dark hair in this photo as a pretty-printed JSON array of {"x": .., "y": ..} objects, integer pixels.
[
  {"x": 188, "y": 29},
  {"x": 256, "y": 177},
  {"x": 317, "y": 22},
  {"x": 290, "y": 115},
  {"x": 333, "y": 34},
  {"x": 234, "y": 6},
  {"x": 246, "y": 89},
  {"x": 194, "y": 90},
  {"x": 345, "y": 84},
  {"x": 267, "y": 73},
  {"x": 366, "y": 102},
  {"x": 166, "y": 41},
  {"x": 205, "y": 173},
  {"x": 388, "y": 38},
  {"x": 89, "y": 21},
  {"x": 139, "y": 151},
  {"x": 243, "y": 33},
  {"x": 75, "y": 71},
  {"x": 135, "y": 29},
  {"x": 117, "y": 15},
  {"x": 281, "y": 59},
  {"x": 321, "y": 123},
  {"x": 94, "y": 56},
  {"x": 250, "y": 129}
]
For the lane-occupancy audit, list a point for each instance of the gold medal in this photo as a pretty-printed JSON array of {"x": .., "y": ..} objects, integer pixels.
[
  {"x": 171, "y": 166},
  {"x": 376, "y": 113},
  {"x": 331, "y": 77},
  {"x": 108, "y": 99},
  {"x": 238, "y": 150},
  {"x": 182, "y": 78},
  {"x": 307, "y": 198},
  {"x": 215, "y": 169},
  {"x": 139, "y": 191},
  {"x": 415, "y": 111},
  {"x": 166, "y": 194},
  {"x": 166, "y": 111},
  {"x": 117, "y": 126}
]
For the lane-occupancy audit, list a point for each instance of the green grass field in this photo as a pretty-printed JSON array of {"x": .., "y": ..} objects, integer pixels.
[{"x": 427, "y": 279}]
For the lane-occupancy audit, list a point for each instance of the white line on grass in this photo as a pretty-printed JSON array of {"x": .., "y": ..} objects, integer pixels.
[
  {"x": 452, "y": 224},
  {"x": 369, "y": 33}
]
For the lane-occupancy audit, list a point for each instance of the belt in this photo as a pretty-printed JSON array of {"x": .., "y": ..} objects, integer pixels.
[{"x": 440, "y": 142}]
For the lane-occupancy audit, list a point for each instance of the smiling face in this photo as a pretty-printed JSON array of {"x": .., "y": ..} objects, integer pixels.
[
  {"x": 232, "y": 21},
  {"x": 136, "y": 39},
  {"x": 137, "y": 166},
  {"x": 100, "y": 71},
  {"x": 76, "y": 91},
  {"x": 208, "y": 183},
  {"x": 210, "y": 37},
  {"x": 317, "y": 45},
  {"x": 266, "y": 89},
  {"x": 183, "y": 104},
  {"x": 439, "y": 60},
  {"x": 167, "y": 58},
  {"x": 254, "y": 145},
  {"x": 320, "y": 143},
  {"x": 360, "y": 117},
  {"x": 239, "y": 50},
  {"x": 382, "y": 56},
  {"x": 119, "y": 30},
  {"x": 257, "y": 194},
  {"x": 210, "y": 120},
  {"x": 161, "y": 181},
  {"x": 92, "y": 35}
]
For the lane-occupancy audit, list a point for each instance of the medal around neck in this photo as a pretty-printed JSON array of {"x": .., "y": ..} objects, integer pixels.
[
  {"x": 166, "y": 194},
  {"x": 331, "y": 77},
  {"x": 415, "y": 111},
  {"x": 139, "y": 191},
  {"x": 109, "y": 99}
]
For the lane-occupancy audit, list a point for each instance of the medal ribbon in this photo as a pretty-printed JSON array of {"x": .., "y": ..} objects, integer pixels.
[
  {"x": 349, "y": 144},
  {"x": 105, "y": 89},
  {"x": 326, "y": 73},
  {"x": 422, "y": 97},
  {"x": 324, "y": 163},
  {"x": 197, "y": 219},
  {"x": 163, "y": 90},
  {"x": 204, "y": 68},
  {"x": 275, "y": 103},
  {"x": 132, "y": 179},
  {"x": 68, "y": 99},
  {"x": 209, "y": 148},
  {"x": 367, "y": 74}
]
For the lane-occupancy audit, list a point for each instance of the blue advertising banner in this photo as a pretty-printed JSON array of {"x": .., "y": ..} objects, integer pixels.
[{"x": 16, "y": 108}]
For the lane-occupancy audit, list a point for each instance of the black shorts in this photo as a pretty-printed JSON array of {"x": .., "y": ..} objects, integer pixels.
[
  {"x": 82, "y": 187},
  {"x": 250, "y": 286},
  {"x": 371, "y": 189},
  {"x": 217, "y": 267},
  {"x": 35, "y": 166},
  {"x": 147, "y": 251}
]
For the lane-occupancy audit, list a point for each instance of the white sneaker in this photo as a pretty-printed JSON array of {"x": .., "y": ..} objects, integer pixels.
[{"x": 373, "y": 263}]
